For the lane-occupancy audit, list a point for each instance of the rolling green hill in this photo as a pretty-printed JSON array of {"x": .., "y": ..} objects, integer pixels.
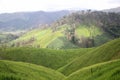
[
  {"x": 40, "y": 38},
  {"x": 63, "y": 50},
  {"x": 10, "y": 70},
  {"x": 45, "y": 57},
  {"x": 66, "y": 61},
  {"x": 103, "y": 71},
  {"x": 106, "y": 52},
  {"x": 69, "y": 62}
]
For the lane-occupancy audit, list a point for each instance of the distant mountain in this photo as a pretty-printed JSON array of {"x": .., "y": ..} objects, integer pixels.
[
  {"x": 116, "y": 10},
  {"x": 26, "y": 20}
]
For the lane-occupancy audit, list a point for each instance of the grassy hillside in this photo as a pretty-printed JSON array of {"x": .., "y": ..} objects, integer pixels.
[
  {"x": 67, "y": 62},
  {"x": 40, "y": 38},
  {"x": 57, "y": 39},
  {"x": 79, "y": 29},
  {"x": 61, "y": 43},
  {"x": 103, "y": 71},
  {"x": 10, "y": 70},
  {"x": 45, "y": 57},
  {"x": 106, "y": 52},
  {"x": 87, "y": 31},
  {"x": 43, "y": 38}
]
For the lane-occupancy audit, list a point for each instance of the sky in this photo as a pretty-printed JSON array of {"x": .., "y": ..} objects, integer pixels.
[{"x": 9, "y": 6}]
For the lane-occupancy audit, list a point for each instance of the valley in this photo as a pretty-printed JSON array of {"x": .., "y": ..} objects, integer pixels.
[
  {"x": 66, "y": 63},
  {"x": 65, "y": 45}
]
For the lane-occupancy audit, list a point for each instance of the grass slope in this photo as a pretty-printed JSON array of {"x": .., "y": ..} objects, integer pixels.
[
  {"x": 45, "y": 57},
  {"x": 46, "y": 38},
  {"x": 10, "y": 70},
  {"x": 65, "y": 61},
  {"x": 61, "y": 43},
  {"x": 103, "y": 71},
  {"x": 106, "y": 52},
  {"x": 87, "y": 31},
  {"x": 42, "y": 37}
]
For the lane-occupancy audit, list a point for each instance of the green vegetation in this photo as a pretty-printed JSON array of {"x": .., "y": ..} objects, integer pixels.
[
  {"x": 58, "y": 39},
  {"x": 103, "y": 53},
  {"x": 7, "y": 37},
  {"x": 103, "y": 71},
  {"x": 81, "y": 29},
  {"x": 10, "y": 70},
  {"x": 87, "y": 31},
  {"x": 61, "y": 43},
  {"x": 87, "y": 28},
  {"x": 45, "y": 57},
  {"x": 70, "y": 62},
  {"x": 40, "y": 38}
]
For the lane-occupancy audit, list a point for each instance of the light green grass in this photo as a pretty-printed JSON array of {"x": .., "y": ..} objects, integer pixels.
[
  {"x": 61, "y": 43},
  {"x": 65, "y": 61},
  {"x": 103, "y": 71},
  {"x": 45, "y": 57},
  {"x": 106, "y": 52},
  {"x": 46, "y": 38},
  {"x": 10, "y": 70},
  {"x": 86, "y": 31},
  {"x": 42, "y": 37}
]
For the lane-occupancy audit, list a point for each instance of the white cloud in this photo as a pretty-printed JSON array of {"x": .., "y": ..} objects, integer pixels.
[{"x": 50, "y": 5}]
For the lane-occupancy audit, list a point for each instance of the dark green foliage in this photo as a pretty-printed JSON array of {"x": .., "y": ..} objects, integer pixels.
[
  {"x": 8, "y": 77},
  {"x": 108, "y": 23},
  {"x": 111, "y": 23},
  {"x": 5, "y": 38}
]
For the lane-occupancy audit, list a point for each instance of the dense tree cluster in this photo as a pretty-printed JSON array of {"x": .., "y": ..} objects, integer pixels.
[{"x": 108, "y": 22}]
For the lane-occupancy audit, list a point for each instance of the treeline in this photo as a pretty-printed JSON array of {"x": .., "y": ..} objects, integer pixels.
[
  {"x": 5, "y": 38},
  {"x": 108, "y": 22}
]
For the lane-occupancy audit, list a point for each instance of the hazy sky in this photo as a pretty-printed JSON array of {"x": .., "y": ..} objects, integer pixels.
[{"x": 52, "y": 5}]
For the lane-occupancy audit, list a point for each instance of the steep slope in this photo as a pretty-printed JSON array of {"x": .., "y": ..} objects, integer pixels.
[
  {"x": 10, "y": 70},
  {"x": 103, "y": 71},
  {"x": 106, "y": 52},
  {"x": 50, "y": 58}
]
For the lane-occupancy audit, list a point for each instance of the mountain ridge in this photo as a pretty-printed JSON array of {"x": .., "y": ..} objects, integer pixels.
[
  {"x": 27, "y": 20},
  {"x": 116, "y": 10}
]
